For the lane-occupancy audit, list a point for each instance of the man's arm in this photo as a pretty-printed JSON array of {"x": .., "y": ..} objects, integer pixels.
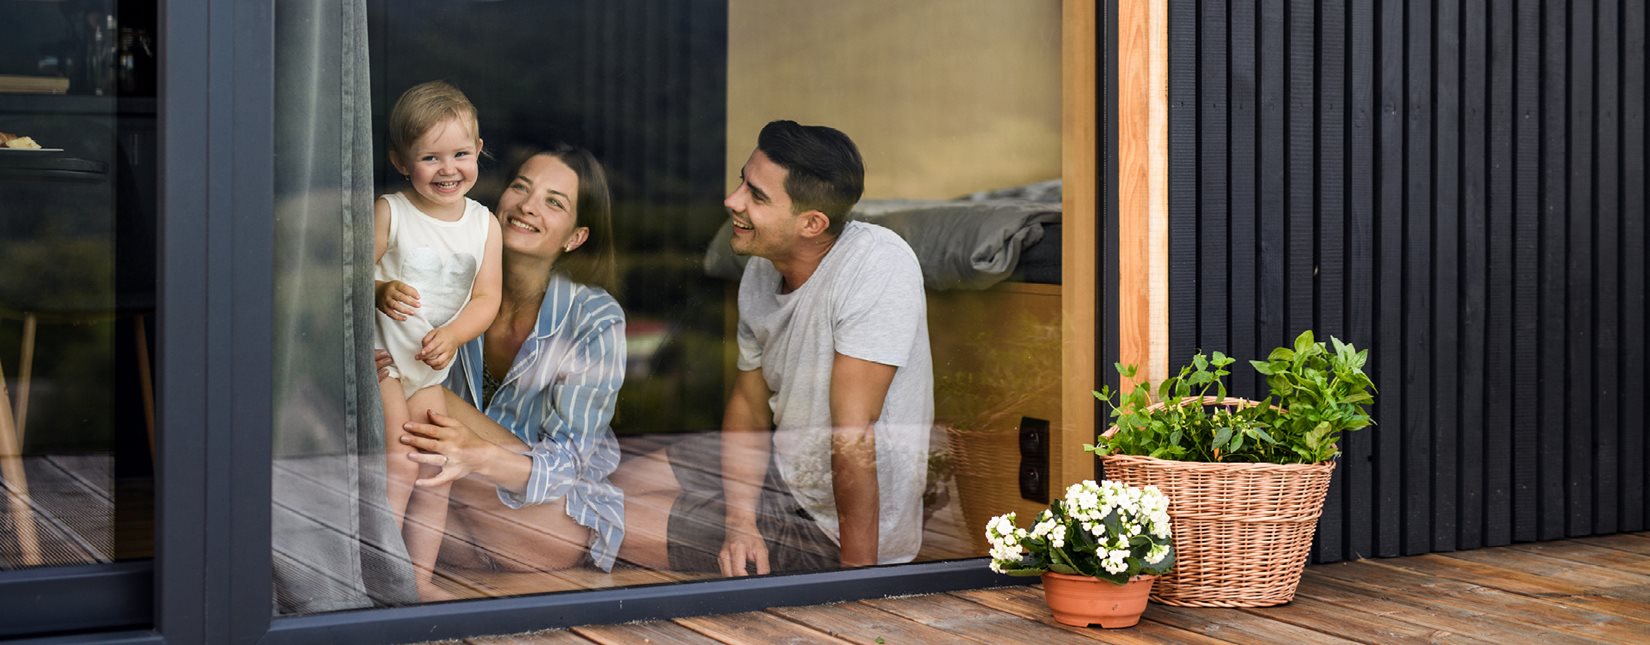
[
  {"x": 858, "y": 388},
  {"x": 745, "y": 436}
]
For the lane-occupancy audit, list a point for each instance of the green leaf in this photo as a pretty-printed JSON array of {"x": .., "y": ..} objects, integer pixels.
[
  {"x": 1264, "y": 367},
  {"x": 1126, "y": 371},
  {"x": 1304, "y": 342},
  {"x": 1222, "y": 436},
  {"x": 1200, "y": 362}
]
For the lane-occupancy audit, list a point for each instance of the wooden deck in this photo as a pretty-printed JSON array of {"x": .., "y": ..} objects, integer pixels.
[{"x": 1591, "y": 590}]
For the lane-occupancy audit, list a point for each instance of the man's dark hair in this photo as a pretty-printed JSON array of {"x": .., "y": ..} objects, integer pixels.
[{"x": 824, "y": 171}]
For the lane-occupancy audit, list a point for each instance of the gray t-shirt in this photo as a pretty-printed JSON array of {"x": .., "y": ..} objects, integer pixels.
[{"x": 865, "y": 301}]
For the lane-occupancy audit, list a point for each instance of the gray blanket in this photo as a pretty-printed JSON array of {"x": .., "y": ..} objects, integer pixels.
[{"x": 960, "y": 244}]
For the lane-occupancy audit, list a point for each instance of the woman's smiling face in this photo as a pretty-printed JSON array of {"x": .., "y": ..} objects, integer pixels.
[{"x": 538, "y": 211}]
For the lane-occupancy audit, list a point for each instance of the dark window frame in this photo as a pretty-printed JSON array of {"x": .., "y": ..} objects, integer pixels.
[{"x": 211, "y": 575}]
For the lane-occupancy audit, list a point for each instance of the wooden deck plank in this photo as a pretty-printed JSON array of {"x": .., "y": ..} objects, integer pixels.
[
  {"x": 1502, "y": 595},
  {"x": 1526, "y": 583},
  {"x": 1590, "y": 554},
  {"x": 1576, "y": 573},
  {"x": 1457, "y": 606},
  {"x": 1370, "y": 628},
  {"x": 1630, "y": 542},
  {"x": 652, "y": 631},
  {"x": 551, "y": 637},
  {"x": 1488, "y": 575},
  {"x": 1236, "y": 626},
  {"x": 861, "y": 623},
  {"x": 1027, "y": 604},
  {"x": 80, "y": 512},
  {"x": 966, "y": 620},
  {"x": 755, "y": 627}
]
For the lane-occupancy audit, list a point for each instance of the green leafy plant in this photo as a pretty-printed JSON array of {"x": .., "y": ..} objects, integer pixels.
[{"x": 1316, "y": 395}]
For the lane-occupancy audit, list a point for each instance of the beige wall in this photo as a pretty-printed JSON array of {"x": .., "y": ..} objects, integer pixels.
[{"x": 944, "y": 97}]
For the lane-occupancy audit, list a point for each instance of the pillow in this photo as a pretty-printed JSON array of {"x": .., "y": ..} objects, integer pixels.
[{"x": 963, "y": 244}]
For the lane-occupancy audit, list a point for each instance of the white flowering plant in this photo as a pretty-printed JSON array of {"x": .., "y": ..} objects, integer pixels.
[{"x": 1108, "y": 530}]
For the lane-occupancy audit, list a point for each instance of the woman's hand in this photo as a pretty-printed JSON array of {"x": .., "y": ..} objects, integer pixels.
[
  {"x": 383, "y": 361},
  {"x": 397, "y": 299},
  {"x": 439, "y": 346},
  {"x": 449, "y": 445}
]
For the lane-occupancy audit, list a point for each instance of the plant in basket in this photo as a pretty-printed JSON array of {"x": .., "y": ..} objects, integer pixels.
[
  {"x": 1247, "y": 478},
  {"x": 1098, "y": 550}
]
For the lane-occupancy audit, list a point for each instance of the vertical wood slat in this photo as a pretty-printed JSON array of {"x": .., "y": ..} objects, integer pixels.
[
  {"x": 1417, "y": 348},
  {"x": 1554, "y": 127},
  {"x": 1213, "y": 100},
  {"x": 1633, "y": 277},
  {"x": 1328, "y": 313},
  {"x": 1578, "y": 282},
  {"x": 1446, "y": 294},
  {"x": 1186, "y": 270},
  {"x": 1496, "y": 429},
  {"x": 1389, "y": 309},
  {"x": 1244, "y": 160},
  {"x": 1526, "y": 272},
  {"x": 1489, "y": 234},
  {"x": 1270, "y": 281},
  {"x": 1606, "y": 220},
  {"x": 1474, "y": 269},
  {"x": 1357, "y": 474}
]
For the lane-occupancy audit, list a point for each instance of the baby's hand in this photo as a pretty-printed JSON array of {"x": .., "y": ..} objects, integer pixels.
[
  {"x": 397, "y": 299},
  {"x": 439, "y": 346}
]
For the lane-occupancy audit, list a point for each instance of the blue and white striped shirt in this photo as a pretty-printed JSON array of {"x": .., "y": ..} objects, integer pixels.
[{"x": 558, "y": 397}]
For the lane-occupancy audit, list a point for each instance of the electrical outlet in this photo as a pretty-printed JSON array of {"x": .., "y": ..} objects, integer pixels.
[{"x": 1034, "y": 438}]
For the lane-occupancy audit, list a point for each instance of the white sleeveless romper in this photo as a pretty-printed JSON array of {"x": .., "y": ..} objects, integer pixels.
[{"x": 440, "y": 259}]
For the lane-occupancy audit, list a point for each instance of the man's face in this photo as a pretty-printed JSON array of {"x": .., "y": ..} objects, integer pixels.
[{"x": 763, "y": 223}]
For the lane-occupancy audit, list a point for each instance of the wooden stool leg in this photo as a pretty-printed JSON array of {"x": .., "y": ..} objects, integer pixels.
[
  {"x": 146, "y": 384},
  {"x": 11, "y": 470},
  {"x": 25, "y": 376}
]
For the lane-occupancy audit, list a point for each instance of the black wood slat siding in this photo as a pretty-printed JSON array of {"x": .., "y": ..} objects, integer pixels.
[
  {"x": 1633, "y": 278},
  {"x": 1458, "y": 186}
]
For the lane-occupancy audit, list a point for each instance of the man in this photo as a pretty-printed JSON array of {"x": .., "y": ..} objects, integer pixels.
[{"x": 834, "y": 371}]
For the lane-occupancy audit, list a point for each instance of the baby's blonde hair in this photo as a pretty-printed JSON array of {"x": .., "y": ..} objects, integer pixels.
[{"x": 426, "y": 105}]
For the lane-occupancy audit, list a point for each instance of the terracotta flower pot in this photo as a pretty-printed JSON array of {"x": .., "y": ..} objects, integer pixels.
[{"x": 1084, "y": 601}]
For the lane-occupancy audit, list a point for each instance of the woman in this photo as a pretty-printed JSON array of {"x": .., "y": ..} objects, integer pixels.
[{"x": 528, "y": 445}]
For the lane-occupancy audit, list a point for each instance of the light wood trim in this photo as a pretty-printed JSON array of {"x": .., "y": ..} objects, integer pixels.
[
  {"x": 1143, "y": 196},
  {"x": 1081, "y": 233}
]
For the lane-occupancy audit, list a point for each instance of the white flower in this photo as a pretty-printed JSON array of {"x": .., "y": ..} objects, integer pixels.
[{"x": 1157, "y": 553}]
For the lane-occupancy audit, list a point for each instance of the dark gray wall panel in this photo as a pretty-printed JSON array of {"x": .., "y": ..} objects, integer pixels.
[{"x": 1458, "y": 186}]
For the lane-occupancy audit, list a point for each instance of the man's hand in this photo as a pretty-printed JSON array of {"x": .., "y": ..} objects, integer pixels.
[
  {"x": 439, "y": 347},
  {"x": 449, "y": 445},
  {"x": 742, "y": 549},
  {"x": 397, "y": 299}
]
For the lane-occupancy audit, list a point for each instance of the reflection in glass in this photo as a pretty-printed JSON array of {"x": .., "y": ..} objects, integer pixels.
[
  {"x": 77, "y": 305},
  {"x": 606, "y": 465}
]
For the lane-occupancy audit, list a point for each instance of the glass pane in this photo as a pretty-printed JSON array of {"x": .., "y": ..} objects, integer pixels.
[
  {"x": 598, "y": 421},
  {"x": 77, "y": 304}
]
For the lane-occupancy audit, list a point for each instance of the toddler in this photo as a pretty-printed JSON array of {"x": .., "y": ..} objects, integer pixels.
[{"x": 437, "y": 286}]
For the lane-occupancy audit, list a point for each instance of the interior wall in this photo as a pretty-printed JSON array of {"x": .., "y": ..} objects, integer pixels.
[{"x": 943, "y": 97}]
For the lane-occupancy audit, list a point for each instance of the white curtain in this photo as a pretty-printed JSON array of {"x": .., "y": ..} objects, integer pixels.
[{"x": 336, "y": 545}]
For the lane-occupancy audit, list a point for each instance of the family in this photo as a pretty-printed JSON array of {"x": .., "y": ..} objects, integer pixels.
[{"x": 502, "y": 354}]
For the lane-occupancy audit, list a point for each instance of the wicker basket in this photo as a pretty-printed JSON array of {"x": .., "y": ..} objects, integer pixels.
[{"x": 1241, "y": 531}]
